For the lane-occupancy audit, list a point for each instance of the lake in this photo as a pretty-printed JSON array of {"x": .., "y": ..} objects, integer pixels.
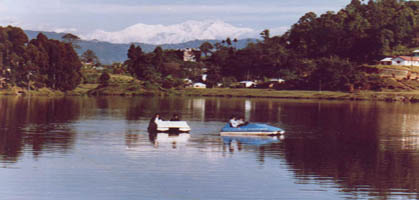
[{"x": 99, "y": 148}]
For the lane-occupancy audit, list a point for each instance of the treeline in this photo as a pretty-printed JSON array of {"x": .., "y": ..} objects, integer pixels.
[
  {"x": 326, "y": 51},
  {"x": 38, "y": 63},
  {"x": 319, "y": 52},
  {"x": 165, "y": 68}
]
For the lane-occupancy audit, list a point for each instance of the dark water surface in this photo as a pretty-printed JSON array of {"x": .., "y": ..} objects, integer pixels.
[{"x": 99, "y": 148}]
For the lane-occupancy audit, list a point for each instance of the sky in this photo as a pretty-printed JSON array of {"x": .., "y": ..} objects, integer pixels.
[{"x": 87, "y": 16}]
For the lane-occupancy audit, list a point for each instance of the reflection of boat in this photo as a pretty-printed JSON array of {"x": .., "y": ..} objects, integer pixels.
[
  {"x": 170, "y": 138},
  {"x": 166, "y": 138},
  {"x": 172, "y": 127},
  {"x": 251, "y": 129},
  {"x": 250, "y": 140}
]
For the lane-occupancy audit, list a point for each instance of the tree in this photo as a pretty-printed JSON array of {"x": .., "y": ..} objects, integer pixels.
[
  {"x": 72, "y": 39},
  {"x": 89, "y": 56},
  {"x": 139, "y": 64},
  {"x": 104, "y": 79},
  {"x": 335, "y": 73},
  {"x": 206, "y": 48},
  {"x": 157, "y": 59},
  {"x": 63, "y": 68},
  {"x": 265, "y": 34},
  {"x": 228, "y": 41}
]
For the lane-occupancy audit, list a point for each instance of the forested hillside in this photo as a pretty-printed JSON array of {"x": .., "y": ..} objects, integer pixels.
[
  {"x": 40, "y": 62},
  {"x": 325, "y": 52}
]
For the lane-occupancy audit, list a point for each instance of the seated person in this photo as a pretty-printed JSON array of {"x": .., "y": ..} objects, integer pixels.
[
  {"x": 233, "y": 122},
  {"x": 152, "y": 125},
  {"x": 175, "y": 117},
  {"x": 241, "y": 122}
]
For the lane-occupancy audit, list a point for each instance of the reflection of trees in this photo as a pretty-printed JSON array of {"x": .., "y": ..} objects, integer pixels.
[
  {"x": 349, "y": 145},
  {"x": 36, "y": 125}
]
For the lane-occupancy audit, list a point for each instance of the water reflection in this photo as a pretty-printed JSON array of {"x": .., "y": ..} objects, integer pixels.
[
  {"x": 37, "y": 125},
  {"x": 250, "y": 140},
  {"x": 361, "y": 149}
]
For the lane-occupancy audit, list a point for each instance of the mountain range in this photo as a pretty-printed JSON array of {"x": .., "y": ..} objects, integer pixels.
[
  {"x": 173, "y": 34},
  {"x": 109, "y": 53}
]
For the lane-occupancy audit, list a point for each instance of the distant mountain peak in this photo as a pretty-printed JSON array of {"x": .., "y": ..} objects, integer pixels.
[{"x": 173, "y": 34}]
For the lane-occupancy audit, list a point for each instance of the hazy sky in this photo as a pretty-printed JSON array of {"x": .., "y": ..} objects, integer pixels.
[{"x": 84, "y": 16}]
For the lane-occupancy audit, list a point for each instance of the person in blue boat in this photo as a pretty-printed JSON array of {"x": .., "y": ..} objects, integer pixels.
[
  {"x": 233, "y": 122},
  {"x": 241, "y": 122}
]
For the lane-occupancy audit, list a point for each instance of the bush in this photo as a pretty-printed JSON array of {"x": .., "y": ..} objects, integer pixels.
[
  {"x": 104, "y": 79},
  {"x": 151, "y": 86}
]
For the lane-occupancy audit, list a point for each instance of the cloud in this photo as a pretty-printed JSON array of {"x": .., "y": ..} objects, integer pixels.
[
  {"x": 12, "y": 21},
  {"x": 5, "y": 21},
  {"x": 279, "y": 30},
  {"x": 194, "y": 9}
]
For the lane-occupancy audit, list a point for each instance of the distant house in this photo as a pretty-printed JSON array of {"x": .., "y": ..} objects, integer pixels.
[
  {"x": 247, "y": 84},
  {"x": 199, "y": 85},
  {"x": 405, "y": 61},
  {"x": 386, "y": 61},
  {"x": 190, "y": 54},
  {"x": 271, "y": 83},
  {"x": 277, "y": 80}
]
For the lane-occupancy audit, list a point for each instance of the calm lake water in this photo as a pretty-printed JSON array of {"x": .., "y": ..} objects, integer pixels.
[{"x": 99, "y": 148}]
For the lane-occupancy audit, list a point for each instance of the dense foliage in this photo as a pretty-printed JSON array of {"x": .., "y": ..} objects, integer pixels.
[
  {"x": 324, "y": 49},
  {"x": 160, "y": 67},
  {"x": 41, "y": 61},
  {"x": 318, "y": 53}
]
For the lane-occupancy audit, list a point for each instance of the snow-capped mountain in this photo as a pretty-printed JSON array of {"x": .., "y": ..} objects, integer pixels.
[{"x": 172, "y": 34}]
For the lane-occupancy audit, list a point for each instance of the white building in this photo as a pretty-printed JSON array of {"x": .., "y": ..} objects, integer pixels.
[
  {"x": 386, "y": 61},
  {"x": 405, "y": 61},
  {"x": 189, "y": 54},
  {"x": 199, "y": 85},
  {"x": 247, "y": 84}
]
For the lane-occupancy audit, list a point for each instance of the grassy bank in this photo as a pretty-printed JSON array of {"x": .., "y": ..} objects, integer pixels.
[
  {"x": 121, "y": 85},
  {"x": 408, "y": 96}
]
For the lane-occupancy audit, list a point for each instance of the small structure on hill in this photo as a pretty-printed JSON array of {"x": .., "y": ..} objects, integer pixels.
[
  {"x": 405, "y": 61},
  {"x": 191, "y": 55},
  {"x": 386, "y": 61},
  {"x": 199, "y": 85},
  {"x": 247, "y": 84},
  {"x": 402, "y": 60}
]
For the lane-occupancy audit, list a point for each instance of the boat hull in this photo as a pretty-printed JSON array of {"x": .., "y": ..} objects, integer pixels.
[
  {"x": 170, "y": 127},
  {"x": 251, "y": 129}
]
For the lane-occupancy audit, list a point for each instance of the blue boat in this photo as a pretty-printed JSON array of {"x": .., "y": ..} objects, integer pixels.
[{"x": 251, "y": 129}]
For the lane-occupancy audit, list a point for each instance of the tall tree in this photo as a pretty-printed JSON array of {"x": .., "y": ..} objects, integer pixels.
[
  {"x": 72, "y": 39},
  {"x": 206, "y": 48},
  {"x": 89, "y": 56}
]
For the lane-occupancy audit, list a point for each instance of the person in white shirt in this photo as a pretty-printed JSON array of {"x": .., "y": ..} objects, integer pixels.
[
  {"x": 157, "y": 119},
  {"x": 233, "y": 122},
  {"x": 153, "y": 124}
]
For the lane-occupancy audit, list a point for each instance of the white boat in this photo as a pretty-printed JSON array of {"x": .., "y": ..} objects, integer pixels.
[{"x": 173, "y": 126}]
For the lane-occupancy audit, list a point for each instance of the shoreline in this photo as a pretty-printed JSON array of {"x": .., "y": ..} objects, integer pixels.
[{"x": 86, "y": 90}]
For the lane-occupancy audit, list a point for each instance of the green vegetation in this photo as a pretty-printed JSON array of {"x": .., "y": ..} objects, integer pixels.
[
  {"x": 327, "y": 52},
  {"x": 324, "y": 51},
  {"x": 38, "y": 63}
]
